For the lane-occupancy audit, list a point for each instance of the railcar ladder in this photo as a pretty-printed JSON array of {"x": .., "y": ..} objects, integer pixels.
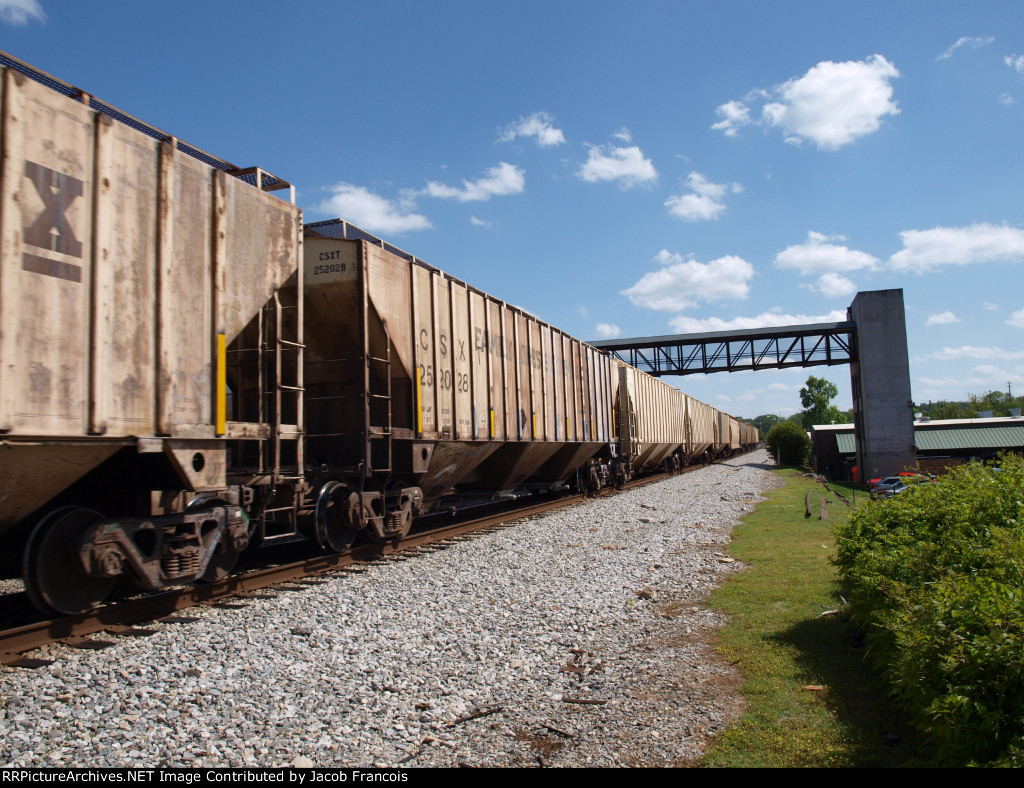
[
  {"x": 628, "y": 429},
  {"x": 286, "y": 380},
  {"x": 376, "y": 432}
]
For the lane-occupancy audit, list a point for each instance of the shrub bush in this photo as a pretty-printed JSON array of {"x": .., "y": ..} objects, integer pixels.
[
  {"x": 788, "y": 441},
  {"x": 935, "y": 577}
]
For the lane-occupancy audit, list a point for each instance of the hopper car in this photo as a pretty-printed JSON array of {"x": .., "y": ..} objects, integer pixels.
[{"x": 188, "y": 370}]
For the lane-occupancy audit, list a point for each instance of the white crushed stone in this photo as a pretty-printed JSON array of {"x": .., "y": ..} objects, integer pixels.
[
  {"x": 11, "y": 585},
  {"x": 601, "y": 602}
]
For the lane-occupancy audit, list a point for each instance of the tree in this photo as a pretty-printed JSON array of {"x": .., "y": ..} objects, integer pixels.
[
  {"x": 788, "y": 441},
  {"x": 816, "y": 397},
  {"x": 765, "y": 422},
  {"x": 995, "y": 401},
  {"x": 950, "y": 410}
]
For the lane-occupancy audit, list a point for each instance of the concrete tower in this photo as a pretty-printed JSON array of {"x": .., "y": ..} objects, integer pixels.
[{"x": 883, "y": 411}]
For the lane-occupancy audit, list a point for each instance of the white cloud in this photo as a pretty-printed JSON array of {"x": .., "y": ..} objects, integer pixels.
[
  {"x": 1016, "y": 319},
  {"x": 1016, "y": 62},
  {"x": 818, "y": 256},
  {"x": 986, "y": 373},
  {"x": 734, "y": 115},
  {"x": 705, "y": 200},
  {"x": 985, "y": 376},
  {"x": 942, "y": 319},
  {"x": 479, "y": 222},
  {"x": 694, "y": 207},
  {"x": 500, "y": 180},
  {"x": 834, "y": 104},
  {"x": 584, "y": 313},
  {"x": 924, "y": 250},
  {"x": 833, "y": 285},
  {"x": 539, "y": 126},
  {"x": 21, "y": 12},
  {"x": 974, "y": 42},
  {"x": 989, "y": 307},
  {"x": 1006, "y": 99},
  {"x": 371, "y": 211},
  {"x": 625, "y": 165},
  {"x": 755, "y": 394},
  {"x": 607, "y": 330},
  {"x": 681, "y": 283},
  {"x": 941, "y": 383},
  {"x": 623, "y": 134},
  {"x": 691, "y": 325},
  {"x": 974, "y": 352}
]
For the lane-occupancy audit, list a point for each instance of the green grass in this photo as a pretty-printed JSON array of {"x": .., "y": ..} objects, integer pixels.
[{"x": 781, "y": 643}]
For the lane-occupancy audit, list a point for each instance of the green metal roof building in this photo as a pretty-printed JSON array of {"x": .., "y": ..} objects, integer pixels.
[{"x": 940, "y": 444}]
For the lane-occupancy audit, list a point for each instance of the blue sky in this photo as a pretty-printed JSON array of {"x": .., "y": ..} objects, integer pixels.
[{"x": 622, "y": 169}]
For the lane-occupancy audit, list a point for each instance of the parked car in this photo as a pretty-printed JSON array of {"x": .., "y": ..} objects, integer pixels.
[{"x": 883, "y": 490}]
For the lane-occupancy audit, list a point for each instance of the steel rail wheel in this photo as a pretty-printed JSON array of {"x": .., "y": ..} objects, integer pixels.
[
  {"x": 335, "y": 506},
  {"x": 55, "y": 580}
]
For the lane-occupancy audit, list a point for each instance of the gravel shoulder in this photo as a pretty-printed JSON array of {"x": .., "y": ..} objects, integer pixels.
[{"x": 577, "y": 638}]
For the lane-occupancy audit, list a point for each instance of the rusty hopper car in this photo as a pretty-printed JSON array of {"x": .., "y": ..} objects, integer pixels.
[
  {"x": 720, "y": 445},
  {"x": 132, "y": 265},
  {"x": 733, "y": 443},
  {"x": 652, "y": 421},
  {"x": 748, "y": 435},
  {"x": 702, "y": 430},
  {"x": 660, "y": 426},
  {"x": 420, "y": 387},
  {"x": 185, "y": 370}
]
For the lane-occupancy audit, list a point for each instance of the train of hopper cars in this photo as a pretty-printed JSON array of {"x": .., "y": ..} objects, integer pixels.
[{"x": 188, "y": 370}]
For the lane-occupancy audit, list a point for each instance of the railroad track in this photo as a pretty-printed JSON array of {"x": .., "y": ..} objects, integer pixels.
[{"x": 118, "y": 619}]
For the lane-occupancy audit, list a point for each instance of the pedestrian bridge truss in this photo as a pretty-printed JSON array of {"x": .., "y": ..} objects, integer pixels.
[{"x": 781, "y": 347}]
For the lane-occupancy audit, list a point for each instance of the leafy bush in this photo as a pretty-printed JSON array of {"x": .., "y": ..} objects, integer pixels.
[
  {"x": 936, "y": 579},
  {"x": 789, "y": 442}
]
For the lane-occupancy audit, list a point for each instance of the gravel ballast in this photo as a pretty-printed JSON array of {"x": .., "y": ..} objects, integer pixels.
[{"x": 573, "y": 639}]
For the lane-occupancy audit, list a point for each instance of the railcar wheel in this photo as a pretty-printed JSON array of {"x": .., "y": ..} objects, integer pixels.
[
  {"x": 221, "y": 563},
  {"x": 55, "y": 579},
  {"x": 336, "y": 508}
]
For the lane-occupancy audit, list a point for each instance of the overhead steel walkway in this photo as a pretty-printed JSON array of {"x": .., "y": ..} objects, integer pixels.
[
  {"x": 872, "y": 340},
  {"x": 818, "y": 344}
]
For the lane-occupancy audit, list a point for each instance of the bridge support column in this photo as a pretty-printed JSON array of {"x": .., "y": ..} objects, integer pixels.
[{"x": 883, "y": 411}]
